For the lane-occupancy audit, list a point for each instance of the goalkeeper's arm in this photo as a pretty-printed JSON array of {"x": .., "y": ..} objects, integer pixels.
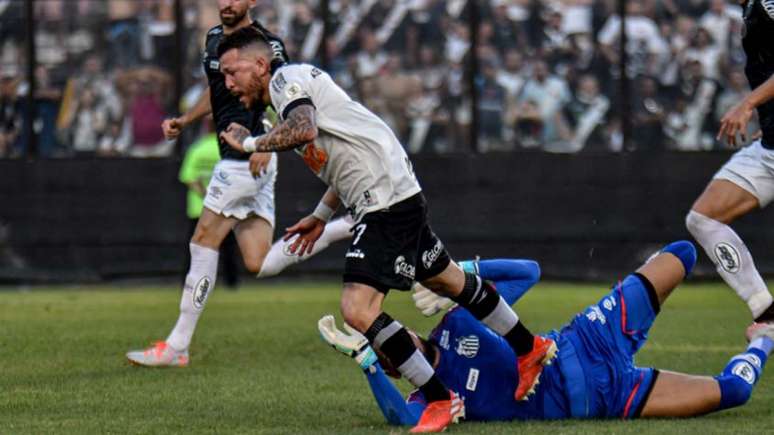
[{"x": 353, "y": 344}]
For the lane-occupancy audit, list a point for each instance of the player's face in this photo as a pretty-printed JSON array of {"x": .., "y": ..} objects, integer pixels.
[
  {"x": 242, "y": 75},
  {"x": 233, "y": 11}
]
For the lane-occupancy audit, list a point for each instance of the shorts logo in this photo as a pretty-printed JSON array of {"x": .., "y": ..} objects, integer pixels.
[
  {"x": 215, "y": 192},
  {"x": 222, "y": 176},
  {"x": 467, "y": 346},
  {"x": 315, "y": 73},
  {"x": 356, "y": 253},
  {"x": 429, "y": 256},
  {"x": 728, "y": 257},
  {"x": 368, "y": 199},
  {"x": 594, "y": 314},
  {"x": 472, "y": 382},
  {"x": 403, "y": 268},
  {"x": 201, "y": 291},
  {"x": 745, "y": 371}
]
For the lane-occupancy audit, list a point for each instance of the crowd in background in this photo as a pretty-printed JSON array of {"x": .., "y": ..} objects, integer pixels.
[{"x": 548, "y": 74}]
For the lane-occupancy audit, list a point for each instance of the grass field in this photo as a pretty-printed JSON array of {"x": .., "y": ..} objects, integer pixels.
[{"x": 258, "y": 365}]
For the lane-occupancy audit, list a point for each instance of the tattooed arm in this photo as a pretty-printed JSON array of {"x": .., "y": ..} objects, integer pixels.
[{"x": 298, "y": 129}]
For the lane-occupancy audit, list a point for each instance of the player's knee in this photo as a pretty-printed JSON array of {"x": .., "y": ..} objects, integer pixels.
[
  {"x": 685, "y": 252},
  {"x": 253, "y": 264}
]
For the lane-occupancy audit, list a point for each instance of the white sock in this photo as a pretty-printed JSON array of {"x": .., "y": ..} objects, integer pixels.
[
  {"x": 732, "y": 259},
  {"x": 199, "y": 283},
  {"x": 280, "y": 258}
]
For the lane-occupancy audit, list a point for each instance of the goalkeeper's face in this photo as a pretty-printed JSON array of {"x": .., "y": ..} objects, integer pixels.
[{"x": 427, "y": 348}]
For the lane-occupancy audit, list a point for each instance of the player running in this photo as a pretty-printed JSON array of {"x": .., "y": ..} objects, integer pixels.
[
  {"x": 240, "y": 195},
  {"x": 746, "y": 181},
  {"x": 357, "y": 155},
  {"x": 593, "y": 376}
]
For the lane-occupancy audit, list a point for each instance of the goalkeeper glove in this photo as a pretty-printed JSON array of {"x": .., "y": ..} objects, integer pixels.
[
  {"x": 428, "y": 302},
  {"x": 353, "y": 343}
]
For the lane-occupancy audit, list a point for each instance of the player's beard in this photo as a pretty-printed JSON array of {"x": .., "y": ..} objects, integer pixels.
[{"x": 230, "y": 21}]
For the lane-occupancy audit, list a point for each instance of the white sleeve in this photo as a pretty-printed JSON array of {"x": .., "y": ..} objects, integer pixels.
[
  {"x": 768, "y": 6},
  {"x": 290, "y": 87}
]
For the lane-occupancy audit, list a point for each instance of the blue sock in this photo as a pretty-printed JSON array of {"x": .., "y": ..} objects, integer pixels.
[
  {"x": 685, "y": 251},
  {"x": 740, "y": 376}
]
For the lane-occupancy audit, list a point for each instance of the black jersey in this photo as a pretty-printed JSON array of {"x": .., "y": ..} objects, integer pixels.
[
  {"x": 758, "y": 42},
  {"x": 227, "y": 108}
]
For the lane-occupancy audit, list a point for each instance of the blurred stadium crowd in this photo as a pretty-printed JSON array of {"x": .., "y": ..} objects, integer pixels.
[{"x": 547, "y": 78}]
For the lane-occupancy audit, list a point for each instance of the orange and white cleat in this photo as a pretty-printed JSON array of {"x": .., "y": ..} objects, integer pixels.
[
  {"x": 531, "y": 365},
  {"x": 159, "y": 355},
  {"x": 440, "y": 414}
]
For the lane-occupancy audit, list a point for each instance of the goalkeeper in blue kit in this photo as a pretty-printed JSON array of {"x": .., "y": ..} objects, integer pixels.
[{"x": 593, "y": 376}]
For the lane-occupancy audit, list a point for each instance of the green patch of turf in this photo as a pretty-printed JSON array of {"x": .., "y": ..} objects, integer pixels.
[{"x": 258, "y": 366}]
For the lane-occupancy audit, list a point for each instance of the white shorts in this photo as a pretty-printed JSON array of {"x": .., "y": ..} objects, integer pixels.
[
  {"x": 752, "y": 169},
  {"x": 234, "y": 192}
]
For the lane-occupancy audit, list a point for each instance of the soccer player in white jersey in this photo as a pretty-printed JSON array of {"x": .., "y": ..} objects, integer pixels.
[
  {"x": 746, "y": 181},
  {"x": 239, "y": 198},
  {"x": 357, "y": 155}
]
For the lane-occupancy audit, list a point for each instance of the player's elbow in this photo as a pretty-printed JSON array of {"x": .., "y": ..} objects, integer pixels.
[{"x": 533, "y": 271}]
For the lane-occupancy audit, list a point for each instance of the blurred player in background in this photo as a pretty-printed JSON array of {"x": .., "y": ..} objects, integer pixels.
[
  {"x": 593, "y": 376},
  {"x": 357, "y": 155},
  {"x": 746, "y": 181},
  {"x": 195, "y": 172},
  {"x": 240, "y": 195}
]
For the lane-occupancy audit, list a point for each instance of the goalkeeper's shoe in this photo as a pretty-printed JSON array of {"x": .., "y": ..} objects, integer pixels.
[
  {"x": 531, "y": 365},
  {"x": 440, "y": 414},
  {"x": 159, "y": 355}
]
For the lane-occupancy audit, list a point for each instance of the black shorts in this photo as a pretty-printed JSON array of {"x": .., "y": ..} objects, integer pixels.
[{"x": 392, "y": 248}]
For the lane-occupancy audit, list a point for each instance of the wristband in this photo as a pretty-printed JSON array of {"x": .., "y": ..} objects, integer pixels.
[
  {"x": 249, "y": 144},
  {"x": 323, "y": 212}
]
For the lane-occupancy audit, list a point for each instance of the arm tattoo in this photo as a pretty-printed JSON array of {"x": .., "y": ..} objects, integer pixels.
[
  {"x": 240, "y": 133},
  {"x": 298, "y": 129}
]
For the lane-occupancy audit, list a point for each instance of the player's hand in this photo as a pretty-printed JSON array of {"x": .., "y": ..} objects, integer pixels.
[
  {"x": 259, "y": 162},
  {"x": 352, "y": 343},
  {"x": 309, "y": 229},
  {"x": 172, "y": 127},
  {"x": 428, "y": 302},
  {"x": 234, "y": 135},
  {"x": 735, "y": 121}
]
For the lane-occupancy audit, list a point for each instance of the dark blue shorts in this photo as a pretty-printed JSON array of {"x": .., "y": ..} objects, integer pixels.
[{"x": 605, "y": 337}]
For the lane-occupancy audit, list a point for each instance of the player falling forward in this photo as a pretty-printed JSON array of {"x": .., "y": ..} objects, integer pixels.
[
  {"x": 593, "y": 376},
  {"x": 746, "y": 181},
  {"x": 357, "y": 155},
  {"x": 240, "y": 195}
]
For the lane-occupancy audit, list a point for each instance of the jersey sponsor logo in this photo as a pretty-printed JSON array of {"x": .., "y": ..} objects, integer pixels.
[
  {"x": 728, "y": 257},
  {"x": 444, "y": 341},
  {"x": 429, "y": 256},
  {"x": 595, "y": 314},
  {"x": 315, "y": 158},
  {"x": 277, "y": 50},
  {"x": 467, "y": 346},
  {"x": 745, "y": 371},
  {"x": 201, "y": 290},
  {"x": 293, "y": 91},
  {"x": 316, "y": 73},
  {"x": 403, "y": 268},
  {"x": 278, "y": 83},
  {"x": 355, "y": 253},
  {"x": 472, "y": 382}
]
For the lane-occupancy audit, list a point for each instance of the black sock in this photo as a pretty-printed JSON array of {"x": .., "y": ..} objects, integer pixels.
[
  {"x": 766, "y": 316},
  {"x": 521, "y": 340},
  {"x": 477, "y": 296},
  {"x": 394, "y": 341}
]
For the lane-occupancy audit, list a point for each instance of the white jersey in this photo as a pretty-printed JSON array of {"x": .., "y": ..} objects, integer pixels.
[{"x": 355, "y": 152}]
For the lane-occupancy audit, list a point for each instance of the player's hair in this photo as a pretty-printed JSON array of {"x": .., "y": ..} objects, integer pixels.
[{"x": 244, "y": 37}]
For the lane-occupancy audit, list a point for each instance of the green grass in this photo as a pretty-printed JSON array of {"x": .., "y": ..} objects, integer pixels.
[{"x": 258, "y": 365}]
